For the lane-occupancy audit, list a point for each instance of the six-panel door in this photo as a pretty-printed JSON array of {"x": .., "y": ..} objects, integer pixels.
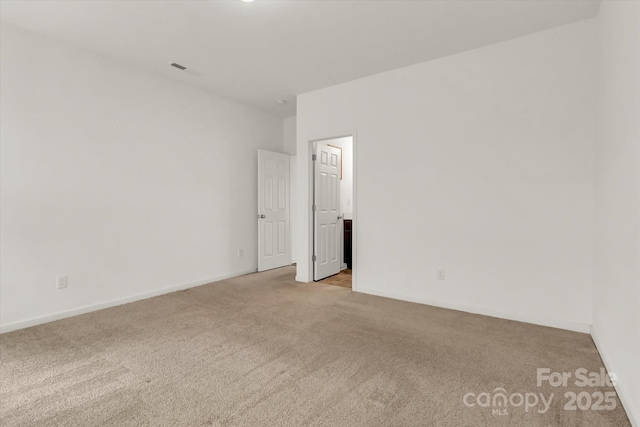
[{"x": 273, "y": 210}]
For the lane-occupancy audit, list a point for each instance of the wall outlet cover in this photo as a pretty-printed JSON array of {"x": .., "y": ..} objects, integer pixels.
[{"x": 62, "y": 282}]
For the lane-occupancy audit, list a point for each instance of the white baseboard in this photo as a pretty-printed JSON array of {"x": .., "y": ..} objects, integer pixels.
[
  {"x": 632, "y": 413},
  {"x": 542, "y": 321},
  {"x": 14, "y": 326}
]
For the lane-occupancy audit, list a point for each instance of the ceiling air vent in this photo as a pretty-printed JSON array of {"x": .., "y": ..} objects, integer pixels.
[{"x": 185, "y": 69}]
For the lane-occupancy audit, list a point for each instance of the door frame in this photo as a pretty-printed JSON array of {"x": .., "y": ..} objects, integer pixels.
[{"x": 354, "y": 203}]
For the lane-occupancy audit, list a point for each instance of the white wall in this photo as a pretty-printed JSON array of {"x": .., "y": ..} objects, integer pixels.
[
  {"x": 289, "y": 147},
  {"x": 480, "y": 163},
  {"x": 616, "y": 308},
  {"x": 289, "y": 135},
  {"x": 124, "y": 181}
]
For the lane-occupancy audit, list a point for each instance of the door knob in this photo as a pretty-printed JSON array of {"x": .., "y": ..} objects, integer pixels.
[
  {"x": 340, "y": 217},
  {"x": 261, "y": 216}
]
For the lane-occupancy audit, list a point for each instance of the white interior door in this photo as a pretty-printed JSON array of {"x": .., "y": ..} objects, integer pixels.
[
  {"x": 326, "y": 208},
  {"x": 273, "y": 210}
]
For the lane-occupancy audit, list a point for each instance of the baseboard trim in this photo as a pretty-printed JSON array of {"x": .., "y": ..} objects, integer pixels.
[
  {"x": 632, "y": 413},
  {"x": 14, "y": 326},
  {"x": 542, "y": 321}
]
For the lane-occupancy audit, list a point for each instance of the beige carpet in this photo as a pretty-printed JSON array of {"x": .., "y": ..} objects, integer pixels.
[{"x": 261, "y": 350}]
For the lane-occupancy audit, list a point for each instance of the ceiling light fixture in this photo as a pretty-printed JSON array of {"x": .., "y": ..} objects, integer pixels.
[{"x": 247, "y": 1}]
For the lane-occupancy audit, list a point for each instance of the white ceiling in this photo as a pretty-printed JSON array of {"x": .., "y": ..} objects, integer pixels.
[{"x": 259, "y": 52}]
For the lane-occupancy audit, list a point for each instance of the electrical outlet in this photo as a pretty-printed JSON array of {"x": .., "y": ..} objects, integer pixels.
[
  {"x": 440, "y": 274},
  {"x": 240, "y": 252},
  {"x": 62, "y": 282}
]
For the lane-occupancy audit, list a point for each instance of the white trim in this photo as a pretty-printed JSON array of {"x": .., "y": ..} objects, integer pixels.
[
  {"x": 292, "y": 260},
  {"x": 632, "y": 413},
  {"x": 14, "y": 326},
  {"x": 354, "y": 211},
  {"x": 542, "y": 321}
]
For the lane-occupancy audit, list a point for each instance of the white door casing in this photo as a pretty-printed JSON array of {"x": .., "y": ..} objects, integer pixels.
[
  {"x": 273, "y": 210},
  {"x": 326, "y": 208}
]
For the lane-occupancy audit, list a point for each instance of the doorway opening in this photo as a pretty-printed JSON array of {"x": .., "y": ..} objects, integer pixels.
[{"x": 332, "y": 211}]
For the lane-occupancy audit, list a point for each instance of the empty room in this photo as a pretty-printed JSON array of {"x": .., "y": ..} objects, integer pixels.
[{"x": 320, "y": 213}]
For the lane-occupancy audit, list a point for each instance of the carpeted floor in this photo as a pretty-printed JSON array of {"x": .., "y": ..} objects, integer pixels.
[{"x": 262, "y": 350}]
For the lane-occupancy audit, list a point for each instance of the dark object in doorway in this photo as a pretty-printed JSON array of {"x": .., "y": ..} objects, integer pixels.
[{"x": 347, "y": 242}]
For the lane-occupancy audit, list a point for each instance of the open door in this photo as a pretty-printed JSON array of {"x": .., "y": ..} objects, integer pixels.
[
  {"x": 326, "y": 209},
  {"x": 273, "y": 210}
]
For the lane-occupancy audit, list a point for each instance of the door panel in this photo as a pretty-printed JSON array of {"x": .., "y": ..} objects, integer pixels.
[
  {"x": 327, "y": 211},
  {"x": 273, "y": 210}
]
